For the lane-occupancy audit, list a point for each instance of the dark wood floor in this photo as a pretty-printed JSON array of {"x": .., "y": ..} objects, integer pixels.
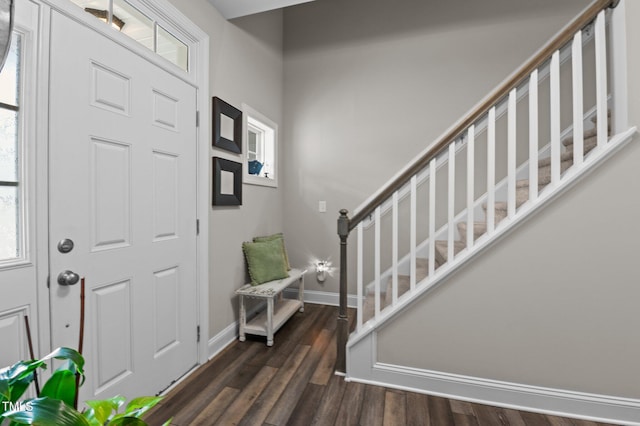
[{"x": 292, "y": 383}]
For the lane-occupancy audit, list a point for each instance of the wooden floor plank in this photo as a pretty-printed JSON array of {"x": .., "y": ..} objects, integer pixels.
[
  {"x": 440, "y": 411},
  {"x": 395, "y": 408},
  {"x": 488, "y": 415},
  {"x": 327, "y": 410},
  {"x": 307, "y": 405},
  {"x": 216, "y": 408},
  {"x": 284, "y": 406},
  {"x": 324, "y": 370},
  {"x": 534, "y": 419},
  {"x": 234, "y": 413},
  {"x": 559, "y": 421},
  {"x": 184, "y": 406},
  {"x": 265, "y": 402},
  {"x": 349, "y": 411},
  {"x": 251, "y": 384},
  {"x": 373, "y": 406},
  {"x": 513, "y": 417},
  {"x": 418, "y": 410}
]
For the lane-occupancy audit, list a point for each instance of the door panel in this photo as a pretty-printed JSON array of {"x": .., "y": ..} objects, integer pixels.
[{"x": 123, "y": 188}]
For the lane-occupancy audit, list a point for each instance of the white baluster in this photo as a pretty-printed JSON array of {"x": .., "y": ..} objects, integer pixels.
[
  {"x": 533, "y": 135},
  {"x": 511, "y": 155},
  {"x": 617, "y": 43},
  {"x": 451, "y": 201},
  {"x": 394, "y": 248},
  {"x": 578, "y": 108},
  {"x": 470, "y": 184},
  {"x": 491, "y": 171},
  {"x": 413, "y": 232},
  {"x": 377, "y": 262},
  {"x": 432, "y": 217},
  {"x": 554, "y": 82},
  {"x": 601, "y": 79},
  {"x": 360, "y": 273}
]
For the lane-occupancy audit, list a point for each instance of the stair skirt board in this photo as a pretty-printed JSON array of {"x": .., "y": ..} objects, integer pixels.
[
  {"x": 362, "y": 365},
  {"x": 565, "y": 403},
  {"x": 569, "y": 178}
]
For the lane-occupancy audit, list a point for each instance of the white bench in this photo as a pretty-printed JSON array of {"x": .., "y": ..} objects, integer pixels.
[{"x": 279, "y": 310}]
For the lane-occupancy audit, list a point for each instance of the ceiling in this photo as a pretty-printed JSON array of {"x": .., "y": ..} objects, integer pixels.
[{"x": 236, "y": 8}]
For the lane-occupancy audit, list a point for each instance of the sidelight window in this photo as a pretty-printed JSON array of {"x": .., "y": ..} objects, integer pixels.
[{"x": 11, "y": 188}]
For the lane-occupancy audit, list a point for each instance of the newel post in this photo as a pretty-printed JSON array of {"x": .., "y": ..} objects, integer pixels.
[{"x": 343, "y": 321}]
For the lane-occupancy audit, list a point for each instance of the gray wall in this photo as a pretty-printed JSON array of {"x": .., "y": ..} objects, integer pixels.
[
  {"x": 369, "y": 84},
  {"x": 246, "y": 66},
  {"x": 554, "y": 303}
]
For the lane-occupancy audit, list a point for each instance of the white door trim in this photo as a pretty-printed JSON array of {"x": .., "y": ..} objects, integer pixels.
[{"x": 198, "y": 76}]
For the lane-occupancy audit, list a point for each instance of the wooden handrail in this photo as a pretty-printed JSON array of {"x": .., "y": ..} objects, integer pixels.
[{"x": 563, "y": 37}]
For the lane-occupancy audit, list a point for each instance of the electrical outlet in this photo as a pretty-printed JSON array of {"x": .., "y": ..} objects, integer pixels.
[{"x": 322, "y": 206}]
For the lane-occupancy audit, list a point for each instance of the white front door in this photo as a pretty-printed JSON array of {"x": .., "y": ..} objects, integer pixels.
[{"x": 122, "y": 177}]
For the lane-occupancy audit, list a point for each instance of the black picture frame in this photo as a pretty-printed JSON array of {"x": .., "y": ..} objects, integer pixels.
[
  {"x": 221, "y": 108},
  {"x": 223, "y": 165}
]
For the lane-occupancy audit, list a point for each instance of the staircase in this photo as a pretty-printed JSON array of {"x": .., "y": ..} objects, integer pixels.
[
  {"x": 424, "y": 224},
  {"x": 480, "y": 228}
]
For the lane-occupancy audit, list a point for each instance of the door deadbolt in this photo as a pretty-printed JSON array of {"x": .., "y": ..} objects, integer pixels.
[
  {"x": 65, "y": 246},
  {"x": 68, "y": 278}
]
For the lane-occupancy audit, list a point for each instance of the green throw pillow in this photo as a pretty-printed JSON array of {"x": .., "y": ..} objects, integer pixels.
[
  {"x": 265, "y": 261},
  {"x": 278, "y": 236}
]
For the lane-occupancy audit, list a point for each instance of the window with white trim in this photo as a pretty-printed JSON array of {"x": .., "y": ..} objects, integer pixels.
[
  {"x": 261, "y": 139},
  {"x": 123, "y": 16},
  {"x": 11, "y": 188}
]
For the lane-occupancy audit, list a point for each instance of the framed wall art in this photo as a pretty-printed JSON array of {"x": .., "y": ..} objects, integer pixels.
[
  {"x": 227, "y": 126},
  {"x": 227, "y": 182}
]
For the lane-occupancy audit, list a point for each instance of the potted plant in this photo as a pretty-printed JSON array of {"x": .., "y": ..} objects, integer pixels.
[{"x": 56, "y": 404}]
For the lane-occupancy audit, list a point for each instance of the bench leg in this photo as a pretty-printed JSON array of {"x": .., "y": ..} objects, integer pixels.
[
  {"x": 270, "y": 321},
  {"x": 301, "y": 293},
  {"x": 243, "y": 318}
]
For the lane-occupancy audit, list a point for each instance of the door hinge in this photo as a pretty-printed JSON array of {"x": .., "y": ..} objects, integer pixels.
[
  {"x": 48, "y": 282},
  {"x": 197, "y": 118},
  {"x": 198, "y": 334},
  {"x": 197, "y": 226}
]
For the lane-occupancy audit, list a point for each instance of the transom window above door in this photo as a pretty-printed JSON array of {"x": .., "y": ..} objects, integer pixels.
[{"x": 130, "y": 20}]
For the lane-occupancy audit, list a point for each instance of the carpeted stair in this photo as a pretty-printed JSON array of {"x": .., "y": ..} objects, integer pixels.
[{"x": 479, "y": 228}]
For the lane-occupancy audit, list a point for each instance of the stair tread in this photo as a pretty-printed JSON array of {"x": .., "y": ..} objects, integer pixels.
[
  {"x": 588, "y": 134},
  {"x": 565, "y": 156},
  {"x": 442, "y": 250},
  {"x": 479, "y": 228}
]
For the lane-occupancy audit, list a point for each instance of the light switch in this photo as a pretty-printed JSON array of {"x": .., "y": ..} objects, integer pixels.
[{"x": 322, "y": 206}]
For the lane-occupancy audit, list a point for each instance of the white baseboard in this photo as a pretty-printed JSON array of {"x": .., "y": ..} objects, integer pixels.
[
  {"x": 557, "y": 402},
  {"x": 227, "y": 336},
  {"x": 321, "y": 297},
  {"x": 362, "y": 367},
  {"x": 223, "y": 339}
]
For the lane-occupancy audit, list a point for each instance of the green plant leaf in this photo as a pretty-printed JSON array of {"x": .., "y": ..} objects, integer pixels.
[
  {"x": 19, "y": 387},
  {"x": 100, "y": 411},
  {"x": 127, "y": 421},
  {"x": 168, "y": 422},
  {"x": 5, "y": 391},
  {"x": 61, "y": 385},
  {"x": 46, "y": 412},
  {"x": 67, "y": 354},
  {"x": 138, "y": 406}
]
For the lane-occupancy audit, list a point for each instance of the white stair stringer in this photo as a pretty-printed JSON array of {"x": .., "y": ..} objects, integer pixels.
[{"x": 360, "y": 350}]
